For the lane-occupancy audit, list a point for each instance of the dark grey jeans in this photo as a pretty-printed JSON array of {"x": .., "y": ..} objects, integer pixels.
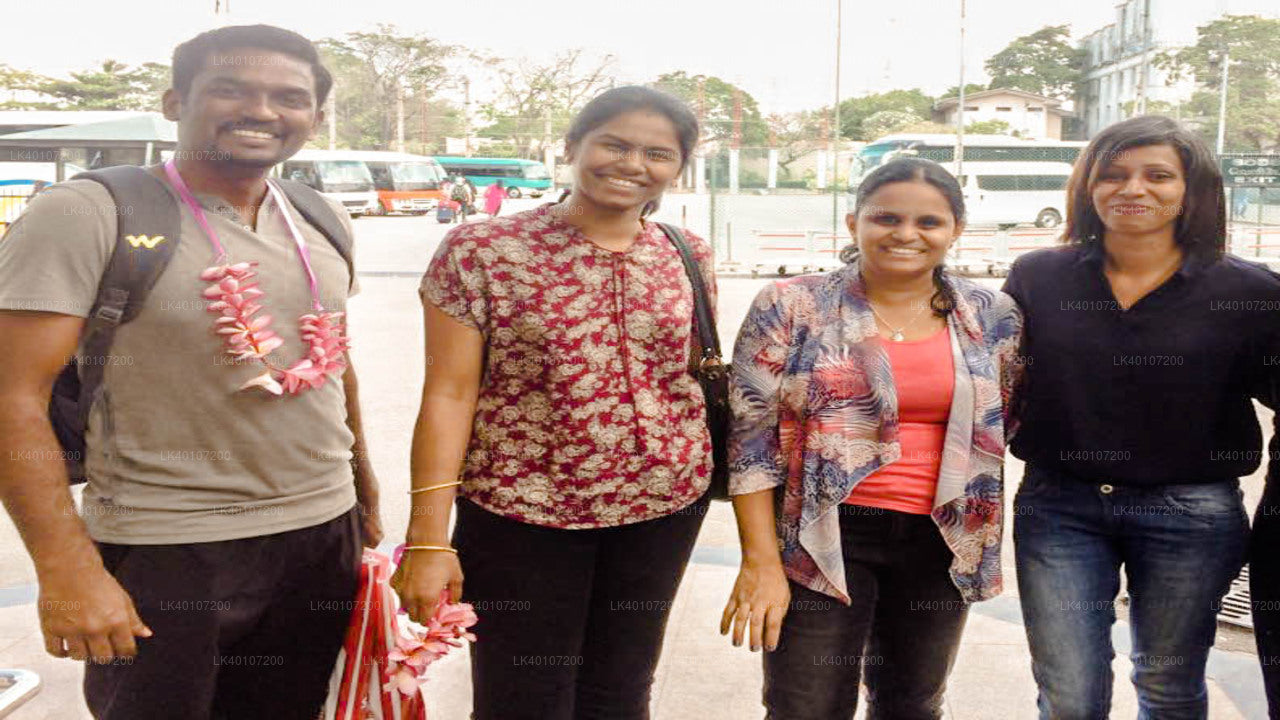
[{"x": 900, "y": 634}]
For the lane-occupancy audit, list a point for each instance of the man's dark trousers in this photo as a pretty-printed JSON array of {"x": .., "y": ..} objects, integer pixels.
[{"x": 243, "y": 629}]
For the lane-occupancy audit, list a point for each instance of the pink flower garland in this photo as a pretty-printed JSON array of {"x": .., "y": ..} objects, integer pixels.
[
  {"x": 417, "y": 646},
  {"x": 233, "y": 297}
]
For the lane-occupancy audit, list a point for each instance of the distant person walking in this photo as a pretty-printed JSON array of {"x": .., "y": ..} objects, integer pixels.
[
  {"x": 493, "y": 198},
  {"x": 461, "y": 193}
]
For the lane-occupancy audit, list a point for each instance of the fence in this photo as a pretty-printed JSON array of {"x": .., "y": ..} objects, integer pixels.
[{"x": 1013, "y": 208}]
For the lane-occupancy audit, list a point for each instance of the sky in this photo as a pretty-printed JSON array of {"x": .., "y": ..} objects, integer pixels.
[{"x": 780, "y": 51}]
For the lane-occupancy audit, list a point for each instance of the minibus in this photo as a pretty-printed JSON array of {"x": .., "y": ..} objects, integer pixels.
[
  {"x": 1014, "y": 193},
  {"x": 336, "y": 173},
  {"x": 519, "y": 176},
  {"x": 405, "y": 183}
]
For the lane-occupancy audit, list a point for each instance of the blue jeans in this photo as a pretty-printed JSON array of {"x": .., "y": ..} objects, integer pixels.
[{"x": 1180, "y": 545}]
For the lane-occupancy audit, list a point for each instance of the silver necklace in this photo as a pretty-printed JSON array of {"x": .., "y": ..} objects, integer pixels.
[{"x": 895, "y": 334}]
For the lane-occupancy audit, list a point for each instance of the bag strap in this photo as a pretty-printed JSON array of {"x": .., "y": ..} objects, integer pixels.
[
  {"x": 147, "y": 233},
  {"x": 320, "y": 215},
  {"x": 707, "y": 336}
]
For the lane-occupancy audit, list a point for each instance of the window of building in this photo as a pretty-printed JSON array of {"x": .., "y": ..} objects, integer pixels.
[
  {"x": 1003, "y": 108},
  {"x": 971, "y": 108},
  {"x": 1035, "y": 109}
]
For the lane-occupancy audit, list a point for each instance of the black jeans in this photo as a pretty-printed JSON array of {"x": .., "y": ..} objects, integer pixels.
[
  {"x": 571, "y": 621},
  {"x": 1264, "y": 591},
  {"x": 244, "y": 629},
  {"x": 900, "y": 634}
]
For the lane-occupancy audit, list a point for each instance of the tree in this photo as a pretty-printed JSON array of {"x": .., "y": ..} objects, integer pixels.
[
  {"x": 373, "y": 71},
  {"x": 536, "y": 101},
  {"x": 1044, "y": 62},
  {"x": 969, "y": 89},
  {"x": 714, "y": 100},
  {"x": 989, "y": 127},
  {"x": 22, "y": 81},
  {"x": 855, "y": 111},
  {"x": 796, "y": 134},
  {"x": 1253, "y": 83},
  {"x": 887, "y": 122},
  {"x": 111, "y": 86}
]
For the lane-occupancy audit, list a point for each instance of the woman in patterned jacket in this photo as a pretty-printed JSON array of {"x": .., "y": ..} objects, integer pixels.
[
  {"x": 870, "y": 417},
  {"x": 559, "y": 343}
]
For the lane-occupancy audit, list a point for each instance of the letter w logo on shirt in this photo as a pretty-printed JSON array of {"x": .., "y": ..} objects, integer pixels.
[{"x": 143, "y": 241}]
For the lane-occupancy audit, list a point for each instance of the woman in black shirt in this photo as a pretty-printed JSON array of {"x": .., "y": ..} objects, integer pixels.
[{"x": 1145, "y": 344}]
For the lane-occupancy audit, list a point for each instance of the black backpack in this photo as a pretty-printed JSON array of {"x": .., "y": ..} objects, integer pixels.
[{"x": 146, "y": 237}]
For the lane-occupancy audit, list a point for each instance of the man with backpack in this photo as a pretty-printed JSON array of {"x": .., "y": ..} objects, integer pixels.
[
  {"x": 462, "y": 193},
  {"x": 213, "y": 566}
]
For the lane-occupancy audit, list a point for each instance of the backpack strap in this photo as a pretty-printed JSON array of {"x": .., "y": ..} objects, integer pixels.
[
  {"x": 147, "y": 233},
  {"x": 320, "y": 215}
]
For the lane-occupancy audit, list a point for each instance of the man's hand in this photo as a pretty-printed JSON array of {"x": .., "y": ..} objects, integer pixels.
[
  {"x": 370, "y": 524},
  {"x": 367, "y": 503},
  {"x": 86, "y": 615}
]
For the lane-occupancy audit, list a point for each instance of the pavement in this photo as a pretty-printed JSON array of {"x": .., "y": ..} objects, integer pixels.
[{"x": 701, "y": 675}]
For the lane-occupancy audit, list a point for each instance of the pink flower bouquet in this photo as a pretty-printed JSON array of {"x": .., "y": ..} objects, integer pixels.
[{"x": 381, "y": 668}]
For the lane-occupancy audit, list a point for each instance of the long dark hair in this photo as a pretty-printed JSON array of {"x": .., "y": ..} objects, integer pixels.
[
  {"x": 617, "y": 101},
  {"x": 910, "y": 169},
  {"x": 1201, "y": 228}
]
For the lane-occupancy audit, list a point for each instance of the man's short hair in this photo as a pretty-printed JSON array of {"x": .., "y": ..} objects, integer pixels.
[{"x": 189, "y": 57}]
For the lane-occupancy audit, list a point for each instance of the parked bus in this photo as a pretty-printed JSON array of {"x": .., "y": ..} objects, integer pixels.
[
  {"x": 518, "y": 175},
  {"x": 405, "y": 183},
  {"x": 336, "y": 173},
  {"x": 977, "y": 148},
  {"x": 1012, "y": 193}
]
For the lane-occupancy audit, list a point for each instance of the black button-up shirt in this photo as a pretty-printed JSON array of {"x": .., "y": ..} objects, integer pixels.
[{"x": 1156, "y": 394}]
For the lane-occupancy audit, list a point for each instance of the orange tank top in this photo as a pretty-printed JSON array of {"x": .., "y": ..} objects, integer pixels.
[{"x": 924, "y": 376}]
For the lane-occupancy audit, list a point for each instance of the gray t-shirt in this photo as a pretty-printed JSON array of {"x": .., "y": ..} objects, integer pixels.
[{"x": 190, "y": 459}]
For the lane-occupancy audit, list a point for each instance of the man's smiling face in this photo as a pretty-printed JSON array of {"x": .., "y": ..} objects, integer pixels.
[{"x": 246, "y": 106}]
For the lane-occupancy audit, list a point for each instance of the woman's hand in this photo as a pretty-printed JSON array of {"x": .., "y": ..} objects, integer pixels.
[
  {"x": 759, "y": 599},
  {"x": 422, "y": 575}
]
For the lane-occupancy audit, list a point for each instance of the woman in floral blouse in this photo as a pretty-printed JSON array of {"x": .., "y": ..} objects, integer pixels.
[
  {"x": 559, "y": 346},
  {"x": 870, "y": 411}
]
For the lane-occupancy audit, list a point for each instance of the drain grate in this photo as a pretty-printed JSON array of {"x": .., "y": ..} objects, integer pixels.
[{"x": 1236, "y": 604}]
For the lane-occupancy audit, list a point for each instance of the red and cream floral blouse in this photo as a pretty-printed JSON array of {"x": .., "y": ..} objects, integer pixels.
[{"x": 588, "y": 415}]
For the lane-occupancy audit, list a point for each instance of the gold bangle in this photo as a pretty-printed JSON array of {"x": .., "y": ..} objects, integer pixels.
[
  {"x": 445, "y": 548},
  {"x": 435, "y": 487}
]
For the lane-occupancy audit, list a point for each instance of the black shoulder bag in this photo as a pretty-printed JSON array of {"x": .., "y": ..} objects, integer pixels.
[{"x": 712, "y": 372}]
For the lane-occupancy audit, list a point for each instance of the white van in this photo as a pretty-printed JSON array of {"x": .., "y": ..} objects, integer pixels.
[
  {"x": 1013, "y": 193},
  {"x": 337, "y": 174}
]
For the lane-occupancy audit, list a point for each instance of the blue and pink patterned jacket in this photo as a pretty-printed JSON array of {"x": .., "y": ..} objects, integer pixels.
[{"x": 816, "y": 412}]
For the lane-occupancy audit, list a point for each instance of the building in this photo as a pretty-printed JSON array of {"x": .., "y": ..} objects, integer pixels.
[
  {"x": 16, "y": 121},
  {"x": 134, "y": 140},
  {"x": 1120, "y": 77},
  {"x": 1031, "y": 116}
]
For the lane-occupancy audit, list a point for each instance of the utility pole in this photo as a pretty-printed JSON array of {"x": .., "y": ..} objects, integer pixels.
[
  {"x": 466, "y": 112},
  {"x": 1144, "y": 72},
  {"x": 399, "y": 116},
  {"x": 960, "y": 107},
  {"x": 835, "y": 135},
  {"x": 1222, "y": 99},
  {"x": 333, "y": 118}
]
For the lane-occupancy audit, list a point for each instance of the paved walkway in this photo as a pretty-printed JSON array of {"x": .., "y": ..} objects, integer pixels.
[{"x": 702, "y": 676}]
